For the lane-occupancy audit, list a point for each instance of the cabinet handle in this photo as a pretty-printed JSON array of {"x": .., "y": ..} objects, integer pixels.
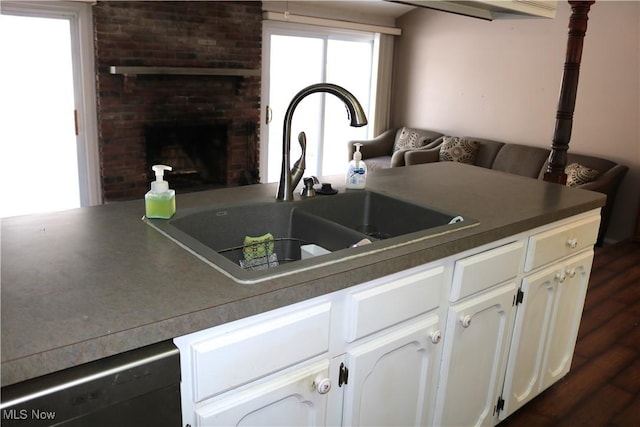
[
  {"x": 465, "y": 321},
  {"x": 560, "y": 277},
  {"x": 322, "y": 385},
  {"x": 436, "y": 336},
  {"x": 572, "y": 273},
  {"x": 572, "y": 242}
]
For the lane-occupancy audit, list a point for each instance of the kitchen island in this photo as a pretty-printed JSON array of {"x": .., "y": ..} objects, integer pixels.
[{"x": 89, "y": 283}]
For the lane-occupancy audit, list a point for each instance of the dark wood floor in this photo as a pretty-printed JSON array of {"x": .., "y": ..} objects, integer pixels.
[{"x": 603, "y": 387}]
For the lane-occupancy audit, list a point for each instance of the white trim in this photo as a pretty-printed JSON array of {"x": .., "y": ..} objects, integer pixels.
[
  {"x": 264, "y": 105},
  {"x": 87, "y": 111},
  {"x": 81, "y": 24},
  {"x": 309, "y": 20}
]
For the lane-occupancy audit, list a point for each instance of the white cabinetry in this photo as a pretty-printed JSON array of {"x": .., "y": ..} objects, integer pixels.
[
  {"x": 290, "y": 399},
  {"x": 563, "y": 330},
  {"x": 477, "y": 336},
  {"x": 390, "y": 378},
  {"x": 371, "y": 349},
  {"x": 559, "y": 242},
  {"x": 548, "y": 318},
  {"x": 232, "y": 357},
  {"x": 391, "y": 375}
]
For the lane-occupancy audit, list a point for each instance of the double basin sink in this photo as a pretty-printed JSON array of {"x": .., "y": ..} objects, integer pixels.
[{"x": 285, "y": 237}]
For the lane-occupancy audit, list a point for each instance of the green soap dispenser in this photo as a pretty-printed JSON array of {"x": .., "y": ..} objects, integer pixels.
[{"x": 160, "y": 201}]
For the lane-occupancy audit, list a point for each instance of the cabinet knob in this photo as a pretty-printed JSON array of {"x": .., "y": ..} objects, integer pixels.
[
  {"x": 571, "y": 272},
  {"x": 465, "y": 321},
  {"x": 436, "y": 336},
  {"x": 572, "y": 242},
  {"x": 560, "y": 277},
  {"x": 322, "y": 385}
]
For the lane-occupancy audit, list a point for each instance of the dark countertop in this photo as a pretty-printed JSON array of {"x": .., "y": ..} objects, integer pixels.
[{"x": 88, "y": 283}]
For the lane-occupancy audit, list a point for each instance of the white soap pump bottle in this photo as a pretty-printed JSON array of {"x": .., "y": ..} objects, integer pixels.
[
  {"x": 160, "y": 201},
  {"x": 357, "y": 171}
]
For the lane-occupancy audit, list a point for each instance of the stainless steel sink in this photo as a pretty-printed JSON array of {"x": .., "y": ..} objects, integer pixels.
[{"x": 335, "y": 223}]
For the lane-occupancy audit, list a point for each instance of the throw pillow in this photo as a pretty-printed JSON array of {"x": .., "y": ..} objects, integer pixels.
[
  {"x": 456, "y": 149},
  {"x": 578, "y": 174},
  {"x": 410, "y": 139}
]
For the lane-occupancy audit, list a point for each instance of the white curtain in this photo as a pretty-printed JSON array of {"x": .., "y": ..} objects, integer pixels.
[{"x": 383, "y": 90}]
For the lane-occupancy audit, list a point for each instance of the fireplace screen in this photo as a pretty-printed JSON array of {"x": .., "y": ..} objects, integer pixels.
[{"x": 197, "y": 154}]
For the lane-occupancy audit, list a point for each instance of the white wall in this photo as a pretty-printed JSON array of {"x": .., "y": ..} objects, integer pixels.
[{"x": 501, "y": 79}]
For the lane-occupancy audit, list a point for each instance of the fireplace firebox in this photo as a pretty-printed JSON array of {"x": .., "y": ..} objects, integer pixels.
[{"x": 196, "y": 152}]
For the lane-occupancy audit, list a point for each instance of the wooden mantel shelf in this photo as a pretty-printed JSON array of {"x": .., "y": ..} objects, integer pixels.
[{"x": 193, "y": 71}]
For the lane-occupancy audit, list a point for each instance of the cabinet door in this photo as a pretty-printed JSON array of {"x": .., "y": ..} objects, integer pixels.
[
  {"x": 391, "y": 378},
  {"x": 563, "y": 331},
  {"x": 475, "y": 344},
  {"x": 533, "y": 317},
  {"x": 290, "y": 399},
  {"x": 546, "y": 329}
]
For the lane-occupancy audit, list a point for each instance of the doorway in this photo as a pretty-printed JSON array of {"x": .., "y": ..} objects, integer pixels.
[
  {"x": 48, "y": 143},
  {"x": 298, "y": 56}
]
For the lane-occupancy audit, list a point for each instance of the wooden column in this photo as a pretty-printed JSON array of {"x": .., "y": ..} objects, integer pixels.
[{"x": 566, "y": 103}]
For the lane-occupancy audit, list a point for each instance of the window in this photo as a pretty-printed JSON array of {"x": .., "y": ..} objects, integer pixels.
[
  {"x": 48, "y": 96},
  {"x": 297, "y": 56}
]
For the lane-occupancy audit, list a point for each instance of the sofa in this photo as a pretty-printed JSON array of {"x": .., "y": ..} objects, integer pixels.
[
  {"x": 585, "y": 172},
  {"x": 387, "y": 149}
]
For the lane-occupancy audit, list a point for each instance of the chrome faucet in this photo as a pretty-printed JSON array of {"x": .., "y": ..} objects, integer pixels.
[{"x": 289, "y": 179}]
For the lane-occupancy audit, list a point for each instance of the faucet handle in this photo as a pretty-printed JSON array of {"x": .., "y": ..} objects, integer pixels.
[
  {"x": 313, "y": 180},
  {"x": 308, "y": 190}
]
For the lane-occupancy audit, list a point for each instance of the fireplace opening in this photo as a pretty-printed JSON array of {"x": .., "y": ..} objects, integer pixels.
[{"x": 197, "y": 154}]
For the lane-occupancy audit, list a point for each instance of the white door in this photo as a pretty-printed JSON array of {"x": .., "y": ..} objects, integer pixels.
[
  {"x": 297, "y": 398},
  {"x": 475, "y": 346},
  {"x": 48, "y": 139},
  {"x": 391, "y": 380},
  {"x": 572, "y": 289},
  {"x": 297, "y": 56}
]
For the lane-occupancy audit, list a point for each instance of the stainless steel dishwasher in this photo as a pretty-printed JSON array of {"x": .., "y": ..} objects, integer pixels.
[{"x": 137, "y": 388}]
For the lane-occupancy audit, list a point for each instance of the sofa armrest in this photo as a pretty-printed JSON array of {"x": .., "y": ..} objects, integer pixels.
[
  {"x": 608, "y": 184},
  {"x": 381, "y": 145},
  {"x": 416, "y": 157},
  {"x": 397, "y": 159},
  {"x": 608, "y": 181}
]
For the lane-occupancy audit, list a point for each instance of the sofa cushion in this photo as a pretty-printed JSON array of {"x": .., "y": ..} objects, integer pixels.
[
  {"x": 487, "y": 152},
  {"x": 456, "y": 149},
  {"x": 520, "y": 160},
  {"x": 410, "y": 139},
  {"x": 578, "y": 174}
]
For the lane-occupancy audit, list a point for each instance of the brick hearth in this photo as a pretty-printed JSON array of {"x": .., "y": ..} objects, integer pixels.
[{"x": 174, "y": 34}]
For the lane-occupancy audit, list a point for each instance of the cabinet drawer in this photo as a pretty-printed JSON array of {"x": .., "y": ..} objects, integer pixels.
[
  {"x": 236, "y": 357},
  {"x": 562, "y": 241},
  {"x": 374, "y": 309},
  {"x": 483, "y": 270}
]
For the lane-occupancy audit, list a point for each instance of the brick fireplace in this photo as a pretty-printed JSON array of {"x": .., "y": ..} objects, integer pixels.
[{"x": 206, "y": 124}]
